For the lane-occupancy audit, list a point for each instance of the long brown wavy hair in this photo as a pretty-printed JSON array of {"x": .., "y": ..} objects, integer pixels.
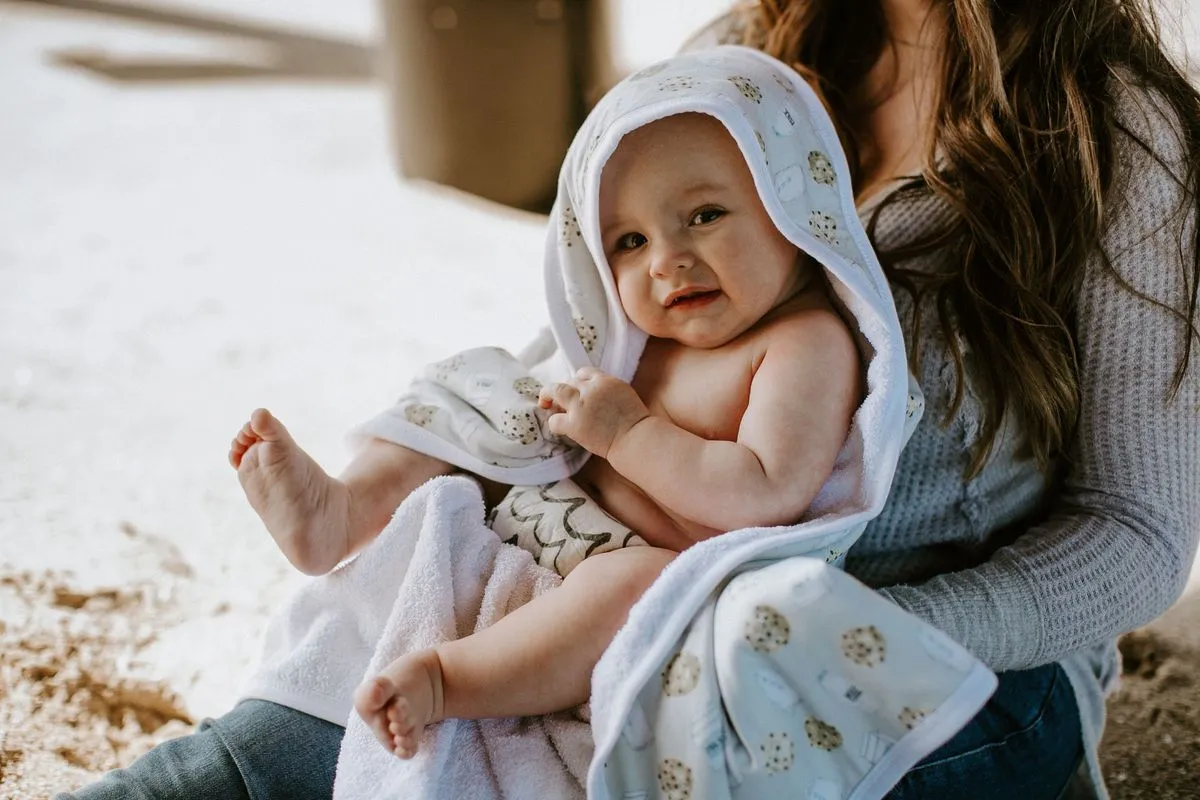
[{"x": 1026, "y": 133}]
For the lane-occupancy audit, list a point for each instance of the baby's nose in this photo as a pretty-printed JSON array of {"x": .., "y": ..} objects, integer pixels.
[{"x": 669, "y": 258}]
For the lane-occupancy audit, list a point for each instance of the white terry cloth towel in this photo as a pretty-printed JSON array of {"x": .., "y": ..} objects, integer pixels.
[{"x": 752, "y": 667}]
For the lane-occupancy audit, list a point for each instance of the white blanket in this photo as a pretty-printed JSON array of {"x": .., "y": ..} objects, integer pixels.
[{"x": 830, "y": 691}]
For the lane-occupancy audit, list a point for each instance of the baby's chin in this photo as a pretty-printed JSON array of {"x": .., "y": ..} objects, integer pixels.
[
  {"x": 702, "y": 339},
  {"x": 700, "y": 331}
]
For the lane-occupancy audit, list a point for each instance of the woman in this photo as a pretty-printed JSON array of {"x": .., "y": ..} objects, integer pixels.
[{"x": 1029, "y": 173}]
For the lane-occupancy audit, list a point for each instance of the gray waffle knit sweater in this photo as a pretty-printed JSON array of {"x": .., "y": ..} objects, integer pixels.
[{"x": 1022, "y": 572}]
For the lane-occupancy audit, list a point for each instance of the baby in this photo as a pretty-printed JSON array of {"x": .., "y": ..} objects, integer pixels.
[{"x": 741, "y": 401}]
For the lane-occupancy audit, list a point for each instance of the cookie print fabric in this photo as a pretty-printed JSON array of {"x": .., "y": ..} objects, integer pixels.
[
  {"x": 825, "y": 694},
  {"x": 477, "y": 409}
]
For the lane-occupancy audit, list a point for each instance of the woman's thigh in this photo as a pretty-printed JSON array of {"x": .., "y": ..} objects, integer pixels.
[
  {"x": 1025, "y": 743},
  {"x": 258, "y": 750}
]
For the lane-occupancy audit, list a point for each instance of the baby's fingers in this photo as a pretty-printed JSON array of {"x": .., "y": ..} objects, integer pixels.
[
  {"x": 558, "y": 396},
  {"x": 557, "y": 423}
]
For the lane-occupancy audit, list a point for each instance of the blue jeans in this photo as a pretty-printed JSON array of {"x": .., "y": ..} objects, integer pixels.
[
  {"x": 1024, "y": 744},
  {"x": 259, "y": 750}
]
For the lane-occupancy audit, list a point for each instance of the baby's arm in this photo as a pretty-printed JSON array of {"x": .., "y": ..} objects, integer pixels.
[{"x": 802, "y": 397}]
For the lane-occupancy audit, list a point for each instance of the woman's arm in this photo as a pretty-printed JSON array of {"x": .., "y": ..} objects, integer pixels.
[{"x": 1115, "y": 549}]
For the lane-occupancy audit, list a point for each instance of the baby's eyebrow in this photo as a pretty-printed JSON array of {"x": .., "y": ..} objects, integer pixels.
[
  {"x": 606, "y": 231},
  {"x": 701, "y": 187}
]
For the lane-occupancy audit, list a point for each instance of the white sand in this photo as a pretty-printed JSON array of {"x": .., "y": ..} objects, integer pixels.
[{"x": 172, "y": 256}]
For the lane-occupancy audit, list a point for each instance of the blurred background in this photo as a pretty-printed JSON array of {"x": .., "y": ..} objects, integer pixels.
[{"x": 209, "y": 207}]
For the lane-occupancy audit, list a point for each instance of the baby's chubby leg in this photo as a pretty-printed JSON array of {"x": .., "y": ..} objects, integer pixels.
[
  {"x": 318, "y": 520},
  {"x": 537, "y": 660}
]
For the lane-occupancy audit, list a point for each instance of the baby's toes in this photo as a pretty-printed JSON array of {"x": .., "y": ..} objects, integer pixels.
[
  {"x": 399, "y": 719},
  {"x": 377, "y": 722},
  {"x": 367, "y": 702},
  {"x": 404, "y": 731},
  {"x": 405, "y": 746},
  {"x": 237, "y": 451},
  {"x": 382, "y": 734},
  {"x": 371, "y": 695},
  {"x": 237, "y": 448}
]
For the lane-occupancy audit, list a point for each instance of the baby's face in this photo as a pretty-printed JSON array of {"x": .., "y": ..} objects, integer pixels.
[{"x": 694, "y": 254}]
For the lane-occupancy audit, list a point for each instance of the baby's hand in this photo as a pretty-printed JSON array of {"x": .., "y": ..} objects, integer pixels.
[{"x": 595, "y": 409}]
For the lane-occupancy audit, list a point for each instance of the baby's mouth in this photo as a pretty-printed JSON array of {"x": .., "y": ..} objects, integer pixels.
[{"x": 692, "y": 299}]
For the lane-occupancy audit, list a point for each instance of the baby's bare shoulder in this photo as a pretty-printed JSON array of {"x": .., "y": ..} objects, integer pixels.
[{"x": 814, "y": 328}]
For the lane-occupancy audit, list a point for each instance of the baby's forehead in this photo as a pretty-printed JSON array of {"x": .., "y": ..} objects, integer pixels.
[
  {"x": 692, "y": 129},
  {"x": 686, "y": 146}
]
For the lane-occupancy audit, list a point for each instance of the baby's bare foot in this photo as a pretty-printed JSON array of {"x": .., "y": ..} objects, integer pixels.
[
  {"x": 306, "y": 511},
  {"x": 401, "y": 700}
]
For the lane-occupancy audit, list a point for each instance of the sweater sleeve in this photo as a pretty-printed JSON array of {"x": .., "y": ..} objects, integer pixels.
[{"x": 1114, "y": 550}]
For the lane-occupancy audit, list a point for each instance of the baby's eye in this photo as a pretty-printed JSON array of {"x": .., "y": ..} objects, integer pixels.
[
  {"x": 630, "y": 241},
  {"x": 707, "y": 215}
]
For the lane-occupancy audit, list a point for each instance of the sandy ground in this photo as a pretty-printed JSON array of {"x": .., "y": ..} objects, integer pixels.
[{"x": 173, "y": 254}]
